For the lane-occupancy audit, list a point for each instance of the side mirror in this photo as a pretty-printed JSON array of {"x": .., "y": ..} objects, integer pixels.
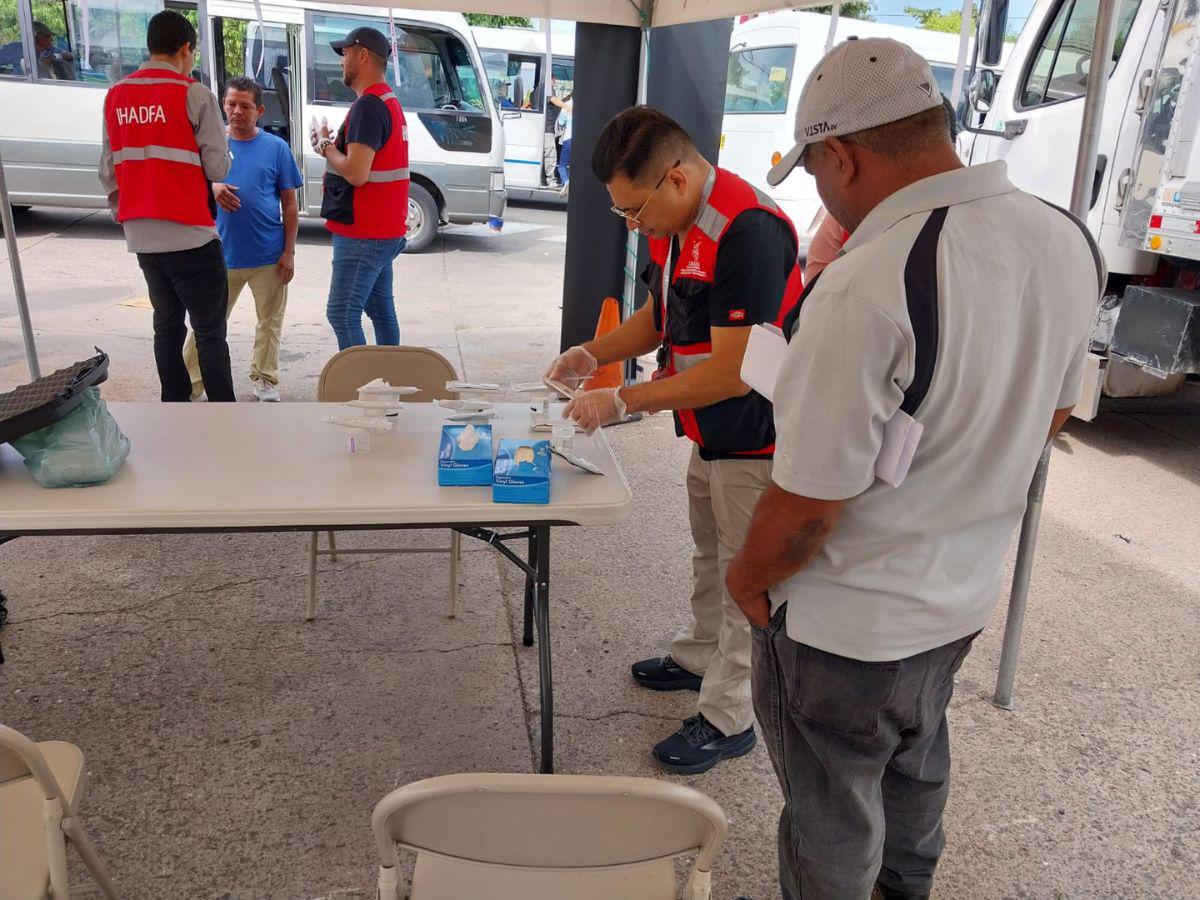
[
  {"x": 983, "y": 90},
  {"x": 993, "y": 22}
]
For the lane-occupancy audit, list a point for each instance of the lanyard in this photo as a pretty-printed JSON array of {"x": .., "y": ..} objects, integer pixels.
[{"x": 666, "y": 284}]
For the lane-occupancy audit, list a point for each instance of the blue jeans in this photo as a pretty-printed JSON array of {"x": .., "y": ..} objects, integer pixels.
[
  {"x": 362, "y": 283},
  {"x": 564, "y": 162}
]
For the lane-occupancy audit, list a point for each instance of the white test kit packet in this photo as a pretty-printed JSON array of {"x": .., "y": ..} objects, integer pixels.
[{"x": 765, "y": 351}]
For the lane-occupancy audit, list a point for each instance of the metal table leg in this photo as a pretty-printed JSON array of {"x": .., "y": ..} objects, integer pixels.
[
  {"x": 527, "y": 634},
  {"x": 545, "y": 675},
  {"x": 1019, "y": 598}
]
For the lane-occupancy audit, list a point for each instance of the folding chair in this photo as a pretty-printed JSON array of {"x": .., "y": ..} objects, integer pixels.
[
  {"x": 545, "y": 837},
  {"x": 339, "y": 382},
  {"x": 40, "y": 787}
]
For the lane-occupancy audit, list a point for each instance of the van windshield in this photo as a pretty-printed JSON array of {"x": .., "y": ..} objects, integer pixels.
[{"x": 758, "y": 80}]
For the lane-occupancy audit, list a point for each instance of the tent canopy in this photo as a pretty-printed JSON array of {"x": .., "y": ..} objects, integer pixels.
[{"x": 657, "y": 13}]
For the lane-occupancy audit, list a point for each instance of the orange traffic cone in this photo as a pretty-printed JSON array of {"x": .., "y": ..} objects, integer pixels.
[{"x": 610, "y": 375}]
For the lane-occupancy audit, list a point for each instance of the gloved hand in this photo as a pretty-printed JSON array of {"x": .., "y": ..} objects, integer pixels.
[
  {"x": 318, "y": 133},
  {"x": 591, "y": 409},
  {"x": 572, "y": 366}
]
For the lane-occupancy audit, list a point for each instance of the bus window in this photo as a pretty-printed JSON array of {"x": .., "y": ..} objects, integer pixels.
[
  {"x": 515, "y": 80},
  {"x": 12, "y": 49},
  {"x": 562, "y": 86},
  {"x": 435, "y": 67},
  {"x": 259, "y": 51},
  {"x": 944, "y": 76},
  {"x": 108, "y": 37},
  {"x": 437, "y": 79},
  {"x": 758, "y": 80}
]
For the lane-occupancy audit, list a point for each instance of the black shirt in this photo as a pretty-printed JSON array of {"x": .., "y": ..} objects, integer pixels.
[
  {"x": 368, "y": 122},
  {"x": 755, "y": 257}
]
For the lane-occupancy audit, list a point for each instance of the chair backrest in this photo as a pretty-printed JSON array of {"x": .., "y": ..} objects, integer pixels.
[
  {"x": 20, "y": 758},
  {"x": 353, "y": 367},
  {"x": 550, "y": 821}
]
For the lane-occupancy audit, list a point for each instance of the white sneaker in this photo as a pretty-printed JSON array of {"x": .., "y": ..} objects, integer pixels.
[{"x": 265, "y": 391}]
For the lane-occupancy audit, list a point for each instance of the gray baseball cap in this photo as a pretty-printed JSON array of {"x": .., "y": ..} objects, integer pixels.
[{"x": 857, "y": 85}]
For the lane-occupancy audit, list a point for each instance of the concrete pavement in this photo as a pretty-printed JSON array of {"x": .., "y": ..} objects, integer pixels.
[{"x": 235, "y": 751}]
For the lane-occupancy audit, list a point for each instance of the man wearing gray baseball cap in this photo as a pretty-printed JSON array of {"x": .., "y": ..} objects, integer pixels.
[{"x": 951, "y": 331}]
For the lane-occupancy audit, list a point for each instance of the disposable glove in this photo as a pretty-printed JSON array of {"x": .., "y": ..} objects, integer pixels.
[
  {"x": 572, "y": 366},
  {"x": 592, "y": 409}
]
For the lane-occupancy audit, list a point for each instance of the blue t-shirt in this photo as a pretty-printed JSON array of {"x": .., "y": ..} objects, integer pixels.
[{"x": 262, "y": 167}]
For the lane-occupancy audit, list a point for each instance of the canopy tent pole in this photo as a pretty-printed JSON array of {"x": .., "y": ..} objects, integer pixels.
[
  {"x": 834, "y": 15},
  {"x": 629, "y": 291},
  {"x": 547, "y": 93},
  {"x": 964, "y": 39},
  {"x": 1081, "y": 201},
  {"x": 18, "y": 280}
]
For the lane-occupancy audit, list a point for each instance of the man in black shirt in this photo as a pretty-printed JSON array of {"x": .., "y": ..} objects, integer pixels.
[
  {"x": 365, "y": 193},
  {"x": 723, "y": 258}
]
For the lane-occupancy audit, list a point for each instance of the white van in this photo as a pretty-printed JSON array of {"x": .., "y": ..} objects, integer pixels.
[
  {"x": 514, "y": 59},
  {"x": 770, "y": 58},
  {"x": 50, "y": 150}
]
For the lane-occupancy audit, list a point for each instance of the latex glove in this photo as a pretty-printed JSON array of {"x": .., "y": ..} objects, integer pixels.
[
  {"x": 226, "y": 197},
  {"x": 318, "y": 133},
  {"x": 572, "y": 366},
  {"x": 592, "y": 409}
]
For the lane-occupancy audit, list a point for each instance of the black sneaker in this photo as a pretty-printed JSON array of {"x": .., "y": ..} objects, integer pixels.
[
  {"x": 698, "y": 746},
  {"x": 661, "y": 673}
]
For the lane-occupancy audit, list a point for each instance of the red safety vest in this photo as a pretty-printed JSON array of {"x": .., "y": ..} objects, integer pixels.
[
  {"x": 155, "y": 154},
  {"x": 379, "y": 208},
  {"x": 738, "y": 426}
]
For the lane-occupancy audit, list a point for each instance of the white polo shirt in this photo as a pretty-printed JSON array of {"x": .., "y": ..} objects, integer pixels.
[{"x": 914, "y": 567}]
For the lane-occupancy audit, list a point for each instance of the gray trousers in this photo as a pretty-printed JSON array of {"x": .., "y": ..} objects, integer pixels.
[{"x": 862, "y": 752}]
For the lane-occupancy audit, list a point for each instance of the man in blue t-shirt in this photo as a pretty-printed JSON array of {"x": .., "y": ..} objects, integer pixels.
[{"x": 258, "y": 242}]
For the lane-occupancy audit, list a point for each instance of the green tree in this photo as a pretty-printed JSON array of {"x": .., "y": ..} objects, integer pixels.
[
  {"x": 851, "y": 9},
  {"x": 484, "y": 20},
  {"x": 951, "y": 21},
  {"x": 937, "y": 20}
]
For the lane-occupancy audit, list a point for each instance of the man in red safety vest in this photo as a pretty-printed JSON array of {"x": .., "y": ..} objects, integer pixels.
[
  {"x": 163, "y": 145},
  {"x": 365, "y": 200},
  {"x": 723, "y": 258}
]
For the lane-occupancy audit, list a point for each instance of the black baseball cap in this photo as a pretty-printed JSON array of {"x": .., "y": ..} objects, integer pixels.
[{"x": 364, "y": 37}]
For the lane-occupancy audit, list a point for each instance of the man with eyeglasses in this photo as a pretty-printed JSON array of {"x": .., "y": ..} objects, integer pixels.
[{"x": 723, "y": 258}]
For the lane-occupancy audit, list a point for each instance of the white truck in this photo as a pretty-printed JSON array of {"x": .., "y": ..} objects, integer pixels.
[
  {"x": 771, "y": 56},
  {"x": 1145, "y": 198}
]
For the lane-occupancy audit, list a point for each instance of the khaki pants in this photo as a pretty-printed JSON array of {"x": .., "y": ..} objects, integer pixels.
[
  {"x": 270, "y": 301},
  {"x": 716, "y": 644}
]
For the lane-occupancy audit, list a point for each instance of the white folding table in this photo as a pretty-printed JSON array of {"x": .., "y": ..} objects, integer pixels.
[{"x": 196, "y": 467}]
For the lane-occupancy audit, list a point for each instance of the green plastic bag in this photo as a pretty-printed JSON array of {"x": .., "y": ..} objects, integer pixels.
[{"x": 86, "y": 447}]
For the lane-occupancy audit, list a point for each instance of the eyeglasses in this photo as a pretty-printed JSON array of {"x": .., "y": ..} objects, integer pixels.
[{"x": 637, "y": 216}]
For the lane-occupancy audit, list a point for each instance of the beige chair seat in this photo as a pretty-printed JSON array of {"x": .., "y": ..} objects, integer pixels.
[
  {"x": 24, "y": 868},
  {"x": 441, "y": 878}
]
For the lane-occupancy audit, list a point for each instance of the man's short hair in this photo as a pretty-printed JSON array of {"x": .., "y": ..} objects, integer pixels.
[
  {"x": 168, "y": 33},
  {"x": 906, "y": 138},
  {"x": 41, "y": 29},
  {"x": 637, "y": 143},
  {"x": 244, "y": 83}
]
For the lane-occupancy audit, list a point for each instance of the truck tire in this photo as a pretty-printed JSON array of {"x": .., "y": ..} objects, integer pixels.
[{"x": 422, "y": 219}]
